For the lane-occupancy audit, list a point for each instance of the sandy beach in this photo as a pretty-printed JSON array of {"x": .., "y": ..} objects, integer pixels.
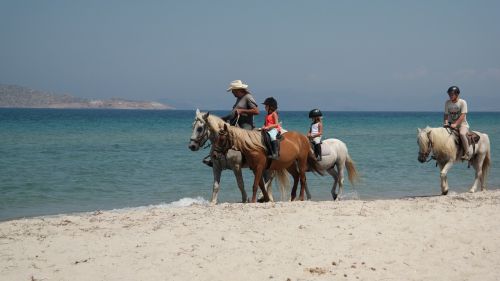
[{"x": 455, "y": 237}]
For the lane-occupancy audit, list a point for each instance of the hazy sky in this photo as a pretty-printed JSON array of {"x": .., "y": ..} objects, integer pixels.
[{"x": 335, "y": 55}]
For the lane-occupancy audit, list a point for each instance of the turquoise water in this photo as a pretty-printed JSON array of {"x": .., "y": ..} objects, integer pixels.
[{"x": 62, "y": 161}]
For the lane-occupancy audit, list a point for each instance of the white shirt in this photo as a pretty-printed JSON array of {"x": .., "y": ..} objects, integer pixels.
[{"x": 454, "y": 110}]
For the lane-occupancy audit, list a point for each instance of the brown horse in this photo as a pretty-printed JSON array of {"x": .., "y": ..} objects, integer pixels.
[{"x": 296, "y": 155}]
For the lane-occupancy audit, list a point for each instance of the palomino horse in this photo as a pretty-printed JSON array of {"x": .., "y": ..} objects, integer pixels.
[
  {"x": 233, "y": 160},
  {"x": 295, "y": 155},
  {"x": 335, "y": 155},
  {"x": 441, "y": 142}
]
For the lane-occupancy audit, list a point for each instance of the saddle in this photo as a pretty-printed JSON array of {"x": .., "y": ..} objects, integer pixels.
[
  {"x": 472, "y": 138},
  {"x": 266, "y": 141},
  {"x": 325, "y": 148}
]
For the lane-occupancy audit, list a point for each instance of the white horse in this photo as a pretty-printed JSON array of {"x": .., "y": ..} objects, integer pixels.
[
  {"x": 334, "y": 159},
  {"x": 233, "y": 160},
  {"x": 441, "y": 143}
]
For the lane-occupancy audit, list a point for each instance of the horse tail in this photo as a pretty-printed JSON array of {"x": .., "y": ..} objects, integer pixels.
[
  {"x": 283, "y": 182},
  {"x": 313, "y": 164},
  {"x": 351, "y": 170},
  {"x": 486, "y": 166}
]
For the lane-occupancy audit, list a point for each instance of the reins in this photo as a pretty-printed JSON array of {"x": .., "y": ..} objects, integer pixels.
[{"x": 202, "y": 139}]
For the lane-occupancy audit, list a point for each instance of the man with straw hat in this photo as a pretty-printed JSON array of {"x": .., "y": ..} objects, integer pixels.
[
  {"x": 243, "y": 110},
  {"x": 245, "y": 107}
]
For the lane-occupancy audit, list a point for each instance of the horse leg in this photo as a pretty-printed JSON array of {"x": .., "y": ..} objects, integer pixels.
[
  {"x": 334, "y": 174},
  {"x": 240, "y": 182},
  {"x": 268, "y": 184},
  {"x": 295, "y": 174},
  {"x": 478, "y": 166},
  {"x": 308, "y": 194},
  {"x": 340, "y": 169},
  {"x": 444, "y": 178},
  {"x": 217, "y": 170},
  {"x": 256, "y": 183},
  {"x": 302, "y": 176}
]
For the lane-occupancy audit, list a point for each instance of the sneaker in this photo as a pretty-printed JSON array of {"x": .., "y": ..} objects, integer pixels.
[
  {"x": 466, "y": 156},
  {"x": 207, "y": 161}
]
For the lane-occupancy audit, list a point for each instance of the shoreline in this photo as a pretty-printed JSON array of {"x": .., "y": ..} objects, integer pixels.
[
  {"x": 437, "y": 237},
  {"x": 200, "y": 201}
]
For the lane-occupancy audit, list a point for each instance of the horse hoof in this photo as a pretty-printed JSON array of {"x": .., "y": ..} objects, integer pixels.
[
  {"x": 444, "y": 192},
  {"x": 335, "y": 197}
]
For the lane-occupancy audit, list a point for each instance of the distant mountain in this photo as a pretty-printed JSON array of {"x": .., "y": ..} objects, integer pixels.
[{"x": 22, "y": 97}]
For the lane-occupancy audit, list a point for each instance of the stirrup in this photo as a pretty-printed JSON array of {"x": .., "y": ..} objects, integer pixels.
[
  {"x": 466, "y": 156},
  {"x": 207, "y": 161}
]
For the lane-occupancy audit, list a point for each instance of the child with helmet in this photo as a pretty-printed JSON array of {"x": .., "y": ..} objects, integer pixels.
[
  {"x": 272, "y": 125},
  {"x": 316, "y": 131},
  {"x": 455, "y": 116}
]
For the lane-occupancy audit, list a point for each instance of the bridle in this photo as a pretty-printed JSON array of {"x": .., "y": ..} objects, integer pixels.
[
  {"x": 222, "y": 144},
  {"x": 202, "y": 136},
  {"x": 424, "y": 155}
]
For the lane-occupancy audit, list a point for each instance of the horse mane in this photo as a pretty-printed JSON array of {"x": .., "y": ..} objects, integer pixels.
[
  {"x": 246, "y": 139},
  {"x": 242, "y": 139},
  {"x": 443, "y": 144},
  {"x": 215, "y": 123}
]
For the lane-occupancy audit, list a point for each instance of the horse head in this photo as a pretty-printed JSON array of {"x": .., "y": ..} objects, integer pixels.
[
  {"x": 424, "y": 144},
  {"x": 222, "y": 143},
  {"x": 200, "y": 133}
]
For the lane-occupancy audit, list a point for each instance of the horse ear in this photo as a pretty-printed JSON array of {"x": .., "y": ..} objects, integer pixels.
[
  {"x": 419, "y": 130},
  {"x": 225, "y": 127},
  {"x": 197, "y": 111},
  {"x": 205, "y": 116}
]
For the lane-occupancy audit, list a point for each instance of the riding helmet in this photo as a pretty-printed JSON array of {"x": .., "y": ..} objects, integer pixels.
[
  {"x": 454, "y": 90},
  {"x": 315, "y": 113},
  {"x": 271, "y": 102}
]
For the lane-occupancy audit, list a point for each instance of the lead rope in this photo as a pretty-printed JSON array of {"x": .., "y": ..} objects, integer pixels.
[{"x": 237, "y": 120}]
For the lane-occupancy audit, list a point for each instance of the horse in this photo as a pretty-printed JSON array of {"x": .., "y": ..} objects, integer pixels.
[
  {"x": 335, "y": 155},
  {"x": 296, "y": 156},
  {"x": 442, "y": 143},
  {"x": 233, "y": 160}
]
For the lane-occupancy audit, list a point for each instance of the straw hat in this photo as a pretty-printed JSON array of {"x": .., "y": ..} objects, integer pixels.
[{"x": 237, "y": 84}]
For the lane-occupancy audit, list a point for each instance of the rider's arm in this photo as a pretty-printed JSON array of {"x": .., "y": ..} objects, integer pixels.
[
  {"x": 251, "y": 111},
  {"x": 320, "y": 129},
  {"x": 445, "y": 122},
  {"x": 460, "y": 119}
]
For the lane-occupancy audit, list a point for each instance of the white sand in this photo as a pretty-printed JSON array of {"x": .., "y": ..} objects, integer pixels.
[{"x": 453, "y": 237}]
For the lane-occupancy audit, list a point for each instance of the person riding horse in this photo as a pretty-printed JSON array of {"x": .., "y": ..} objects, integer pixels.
[
  {"x": 455, "y": 111},
  {"x": 243, "y": 111}
]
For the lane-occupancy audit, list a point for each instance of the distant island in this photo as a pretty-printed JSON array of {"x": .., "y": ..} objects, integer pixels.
[{"x": 12, "y": 96}]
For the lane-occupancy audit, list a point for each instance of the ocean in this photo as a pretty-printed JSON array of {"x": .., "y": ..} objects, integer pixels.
[{"x": 55, "y": 161}]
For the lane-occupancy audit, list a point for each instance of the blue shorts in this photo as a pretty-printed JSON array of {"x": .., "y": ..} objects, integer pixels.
[{"x": 273, "y": 133}]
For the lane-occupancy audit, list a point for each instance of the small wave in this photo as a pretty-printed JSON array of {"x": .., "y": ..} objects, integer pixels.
[
  {"x": 185, "y": 202},
  {"x": 350, "y": 195}
]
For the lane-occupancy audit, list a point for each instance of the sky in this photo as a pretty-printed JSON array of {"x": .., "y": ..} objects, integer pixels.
[{"x": 332, "y": 55}]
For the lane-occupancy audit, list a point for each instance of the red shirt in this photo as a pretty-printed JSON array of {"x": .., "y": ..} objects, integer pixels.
[{"x": 271, "y": 120}]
